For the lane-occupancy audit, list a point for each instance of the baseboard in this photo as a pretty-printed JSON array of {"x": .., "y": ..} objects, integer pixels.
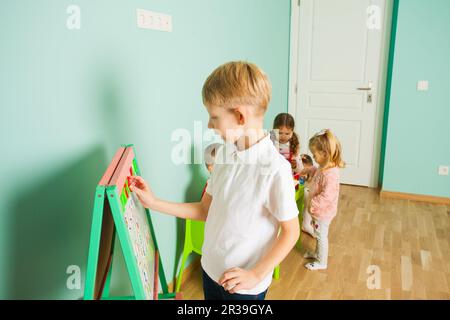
[
  {"x": 414, "y": 197},
  {"x": 187, "y": 274}
]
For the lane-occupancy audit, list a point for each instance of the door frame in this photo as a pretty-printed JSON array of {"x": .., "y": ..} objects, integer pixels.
[{"x": 381, "y": 90}]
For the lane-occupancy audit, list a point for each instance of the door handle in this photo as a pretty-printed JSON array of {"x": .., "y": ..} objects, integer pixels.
[{"x": 368, "y": 88}]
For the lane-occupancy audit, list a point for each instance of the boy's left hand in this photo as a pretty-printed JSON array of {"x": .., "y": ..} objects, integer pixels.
[{"x": 236, "y": 279}]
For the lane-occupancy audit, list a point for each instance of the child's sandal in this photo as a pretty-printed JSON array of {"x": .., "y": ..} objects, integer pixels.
[{"x": 315, "y": 266}]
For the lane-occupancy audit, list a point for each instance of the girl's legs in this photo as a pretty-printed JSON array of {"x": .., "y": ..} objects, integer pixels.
[
  {"x": 321, "y": 254},
  {"x": 306, "y": 225}
]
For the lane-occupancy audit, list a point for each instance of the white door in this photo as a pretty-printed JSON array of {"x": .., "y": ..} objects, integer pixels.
[{"x": 339, "y": 51}]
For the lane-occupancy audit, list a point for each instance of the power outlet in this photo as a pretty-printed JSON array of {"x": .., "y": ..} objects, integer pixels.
[
  {"x": 153, "y": 20},
  {"x": 443, "y": 170},
  {"x": 422, "y": 85}
]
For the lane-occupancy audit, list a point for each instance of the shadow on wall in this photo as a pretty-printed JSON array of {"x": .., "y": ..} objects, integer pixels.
[
  {"x": 51, "y": 229},
  {"x": 108, "y": 94}
]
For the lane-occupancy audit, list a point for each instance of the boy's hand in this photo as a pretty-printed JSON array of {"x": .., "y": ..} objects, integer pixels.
[
  {"x": 142, "y": 190},
  {"x": 236, "y": 279}
]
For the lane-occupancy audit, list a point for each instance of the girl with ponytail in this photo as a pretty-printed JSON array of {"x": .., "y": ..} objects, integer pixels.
[
  {"x": 322, "y": 201},
  {"x": 286, "y": 140}
]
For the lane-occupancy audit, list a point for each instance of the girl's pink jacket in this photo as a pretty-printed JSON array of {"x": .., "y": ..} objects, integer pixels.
[{"x": 324, "y": 194}]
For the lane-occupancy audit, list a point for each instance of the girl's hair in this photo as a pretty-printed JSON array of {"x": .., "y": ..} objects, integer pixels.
[
  {"x": 286, "y": 120},
  {"x": 327, "y": 142},
  {"x": 306, "y": 159}
]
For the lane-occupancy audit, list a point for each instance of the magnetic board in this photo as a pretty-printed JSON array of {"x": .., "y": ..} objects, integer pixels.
[{"x": 118, "y": 212}]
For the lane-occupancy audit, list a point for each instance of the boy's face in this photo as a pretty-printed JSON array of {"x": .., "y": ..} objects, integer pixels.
[{"x": 225, "y": 122}]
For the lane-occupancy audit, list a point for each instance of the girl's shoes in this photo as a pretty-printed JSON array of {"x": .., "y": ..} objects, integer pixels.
[{"x": 315, "y": 266}]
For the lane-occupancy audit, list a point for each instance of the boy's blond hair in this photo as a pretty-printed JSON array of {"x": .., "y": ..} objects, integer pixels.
[
  {"x": 327, "y": 142},
  {"x": 237, "y": 83}
]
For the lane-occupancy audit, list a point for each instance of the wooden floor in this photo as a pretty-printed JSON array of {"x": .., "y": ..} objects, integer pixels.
[{"x": 405, "y": 242}]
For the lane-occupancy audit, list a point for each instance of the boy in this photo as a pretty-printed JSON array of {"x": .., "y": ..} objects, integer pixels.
[
  {"x": 308, "y": 165},
  {"x": 250, "y": 196}
]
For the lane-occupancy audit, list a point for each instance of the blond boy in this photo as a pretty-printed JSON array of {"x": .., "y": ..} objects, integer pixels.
[{"x": 250, "y": 196}]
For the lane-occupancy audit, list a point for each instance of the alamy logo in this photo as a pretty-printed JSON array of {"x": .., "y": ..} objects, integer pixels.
[
  {"x": 74, "y": 279},
  {"x": 374, "y": 17},
  {"x": 73, "y": 21},
  {"x": 374, "y": 279}
]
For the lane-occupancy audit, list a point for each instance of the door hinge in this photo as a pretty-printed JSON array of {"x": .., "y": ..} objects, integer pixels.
[{"x": 298, "y": 2}]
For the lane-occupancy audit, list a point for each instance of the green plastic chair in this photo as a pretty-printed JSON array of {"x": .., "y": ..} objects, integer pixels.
[
  {"x": 299, "y": 199},
  {"x": 193, "y": 242}
]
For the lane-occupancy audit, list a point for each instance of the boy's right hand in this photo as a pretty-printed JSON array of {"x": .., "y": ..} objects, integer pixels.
[{"x": 142, "y": 190}]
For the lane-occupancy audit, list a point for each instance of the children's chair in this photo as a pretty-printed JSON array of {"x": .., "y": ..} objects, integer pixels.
[
  {"x": 193, "y": 241},
  {"x": 299, "y": 199}
]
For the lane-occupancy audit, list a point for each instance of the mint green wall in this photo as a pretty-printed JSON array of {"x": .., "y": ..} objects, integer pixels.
[
  {"x": 418, "y": 132},
  {"x": 70, "y": 98}
]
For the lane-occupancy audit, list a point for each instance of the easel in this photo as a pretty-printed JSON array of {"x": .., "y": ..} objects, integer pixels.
[{"x": 112, "y": 196}]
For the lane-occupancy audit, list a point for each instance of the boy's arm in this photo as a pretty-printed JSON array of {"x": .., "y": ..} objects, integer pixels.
[
  {"x": 193, "y": 211},
  {"x": 235, "y": 279}
]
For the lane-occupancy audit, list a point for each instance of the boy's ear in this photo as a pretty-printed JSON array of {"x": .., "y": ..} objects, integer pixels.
[{"x": 240, "y": 114}]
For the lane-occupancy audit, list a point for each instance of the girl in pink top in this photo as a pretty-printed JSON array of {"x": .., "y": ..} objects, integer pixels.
[{"x": 323, "y": 197}]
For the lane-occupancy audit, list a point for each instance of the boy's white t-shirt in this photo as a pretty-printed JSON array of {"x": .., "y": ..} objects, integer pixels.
[{"x": 252, "y": 191}]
